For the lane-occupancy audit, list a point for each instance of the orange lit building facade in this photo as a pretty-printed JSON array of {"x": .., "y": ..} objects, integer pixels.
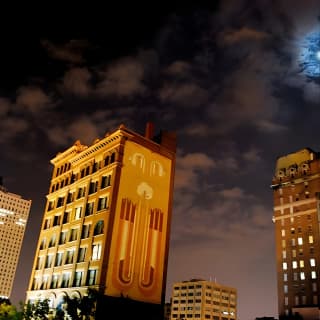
[
  {"x": 296, "y": 190},
  {"x": 107, "y": 220}
]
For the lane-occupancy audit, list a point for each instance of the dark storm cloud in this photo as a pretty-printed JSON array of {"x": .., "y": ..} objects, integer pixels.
[{"x": 71, "y": 51}]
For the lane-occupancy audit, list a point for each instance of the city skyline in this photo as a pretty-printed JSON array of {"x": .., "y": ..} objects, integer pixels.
[{"x": 226, "y": 77}]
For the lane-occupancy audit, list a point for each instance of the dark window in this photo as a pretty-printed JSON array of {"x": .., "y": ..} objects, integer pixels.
[
  {"x": 60, "y": 202},
  {"x": 50, "y": 205},
  {"x": 48, "y": 261},
  {"x": 98, "y": 229},
  {"x": 70, "y": 197},
  {"x": 113, "y": 157},
  {"x": 81, "y": 254},
  {"x": 66, "y": 216},
  {"x": 95, "y": 167},
  {"x": 93, "y": 187},
  {"x": 89, "y": 208},
  {"x": 81, "y": 192},
  {"x": 105, "y": 181},
  {"x": 73, "y": 235},
  {"x": 73, "y": 178},
  {"x": 56, "y": 220},
  {"x": 63, "y": 237},
  {"x": 52, "y": 242},
  {"x": 77, "y": 279},
  {"x": 58, "y": 261},
  {"x": 46, "y": 224},
  {"x": 39, "y": 263},
  {"x": 102, "y": 203},
  {"x": 54, "y": 282},
  {"x": 65, "y": 280},
  {"x": 106, "y": 160},
  {"x": 91, "y": 277},
  {"x": 43, "y": 244},
  {"x": 85, "y": 231},
  {"x": 69, "y": 257}
]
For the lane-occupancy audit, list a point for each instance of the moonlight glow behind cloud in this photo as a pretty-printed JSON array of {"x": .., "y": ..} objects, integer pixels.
[{"x": 310, "y": 55}]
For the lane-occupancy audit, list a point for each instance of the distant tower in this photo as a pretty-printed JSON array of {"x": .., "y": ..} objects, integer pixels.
[
  {"x": 14, "y": 212},
  {"x": 106, "y": 224},
  {"x": 296, "y": 193},
  {"x": 201, "y": 299}
]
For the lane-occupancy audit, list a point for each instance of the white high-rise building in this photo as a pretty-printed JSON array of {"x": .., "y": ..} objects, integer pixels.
[{"x": 14, "y": 212}]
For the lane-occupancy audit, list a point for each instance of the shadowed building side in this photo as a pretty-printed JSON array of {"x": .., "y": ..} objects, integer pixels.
[
  {"x": 14, "y": 213},
  {"x": 296, "y": 190}
]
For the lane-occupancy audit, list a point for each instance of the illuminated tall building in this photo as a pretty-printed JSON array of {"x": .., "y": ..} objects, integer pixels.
[
  {"x": 296, "y": 193},
  {"x": 106, "y": 223},
  {"x": 200, "y": 300},
  {"x": 14, "y": 212}
]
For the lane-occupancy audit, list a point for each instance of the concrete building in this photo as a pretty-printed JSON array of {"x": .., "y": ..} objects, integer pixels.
[
  {"x": 14, "y": 212},
  {"x": 296, "y": 193},
  {"x": 199, "y": 300},
  {"x": 106, "y": 224}
]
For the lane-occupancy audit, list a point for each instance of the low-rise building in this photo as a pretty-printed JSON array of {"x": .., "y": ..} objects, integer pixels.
[{"x": 200, "y": 299}]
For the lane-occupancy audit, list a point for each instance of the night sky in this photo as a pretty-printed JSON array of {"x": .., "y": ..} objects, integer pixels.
[{"x": 231, "y": 78}]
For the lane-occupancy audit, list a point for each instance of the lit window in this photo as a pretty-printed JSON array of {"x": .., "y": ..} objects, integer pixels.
[
  {"x": 300, "y": 241},
  {"x": 310, "y": 239},
  {"x": 313, "y": 275},
  {"x": 78, "y": 213},
  {"x": 285, "y": 289},
  {"x": 286, "y": 301},
  {"x": 284, "y": 254},
  {"x": 293, "y": 242},
  {"x": 302, "y": 276},
  {"x": 312, "y": 262},
  {"x": 283, "y": 243},
  {"x": 283, "y": 232},
  {"x": 285, "y": 277},
  {"x": 301, "y": 264},
  {"x": 96, "y": 251},
  {"x": 294, "y": 253},
  {"x": 284, "y": 266},
  {"x": 294, "y": 264}
]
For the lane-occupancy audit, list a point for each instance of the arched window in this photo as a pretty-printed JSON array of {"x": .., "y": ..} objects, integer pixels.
[
  {"x": 138, "y": 160},
  {"x": 156, "y": 169}
]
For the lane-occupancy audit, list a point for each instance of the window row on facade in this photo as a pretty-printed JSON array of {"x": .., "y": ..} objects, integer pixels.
[
  {"x": 300, "y": 263},
  {"x": 69, "y": 256},
  {"x": 88, "y": 168},
  {"x": 78, "y": 212},
  {"x": 66, "y": 280},
  {"x": 198, "y": 316},
  {"x": 81, "y": 192},
  {"x": 72, "y": 235},
  {"x": 301, "y": 300}
]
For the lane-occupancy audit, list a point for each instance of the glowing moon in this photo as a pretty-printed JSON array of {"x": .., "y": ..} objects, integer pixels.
[{"x": 310, "y": 55}]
